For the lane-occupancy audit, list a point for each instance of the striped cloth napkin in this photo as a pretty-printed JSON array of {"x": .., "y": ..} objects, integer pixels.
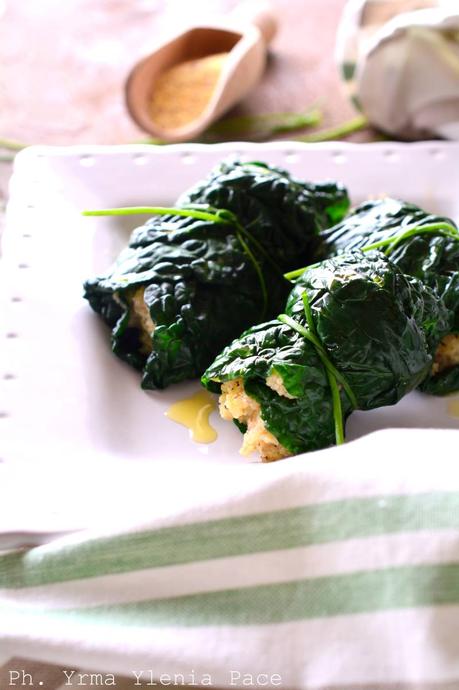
[{"x": 338, "y": 569}]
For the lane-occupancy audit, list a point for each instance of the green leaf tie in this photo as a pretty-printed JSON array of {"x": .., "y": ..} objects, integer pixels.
[
  {"x": 333, "y": 375},
  {"x": 212, "y": 215},
  {"x": 200, "y": 213},
  {"x": 440, "y": 228}
]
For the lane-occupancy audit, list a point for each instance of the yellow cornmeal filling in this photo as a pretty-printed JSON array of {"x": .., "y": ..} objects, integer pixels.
[
  {"x": 275, "y": 382},
  {"x": 447, "y": 354},
  {"x": 139, "y": 317},
  {"x": 236, "y": 404}
]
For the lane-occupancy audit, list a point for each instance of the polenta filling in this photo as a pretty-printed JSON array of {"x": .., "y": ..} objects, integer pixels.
[
  {"x": 236, "y": 404},
  {"x": 447, "y": 354},
  {"x": 139, "y": 318}
]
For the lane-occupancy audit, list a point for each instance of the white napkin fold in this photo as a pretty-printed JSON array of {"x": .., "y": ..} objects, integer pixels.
[
  {"x": 399, "y": 60},
  {"x": 335, "y": 569},
  {"x": 408, "y": 78}
]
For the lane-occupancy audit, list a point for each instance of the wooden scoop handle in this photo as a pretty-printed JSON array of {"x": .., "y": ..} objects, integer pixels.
[{"x": 259, "y": 13}]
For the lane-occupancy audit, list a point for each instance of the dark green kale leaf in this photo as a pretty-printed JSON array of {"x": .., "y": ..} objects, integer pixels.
[
  {"x": 431, "y": 257},
  {"x": 303, "y": 423},
  {"x": 374, "y": 321},
  {"x": 372, "y": 221},
  {"x": 273, "y": 205},
  {"x": 196, "y": 283},
  {"x": 371, "y": 320}
]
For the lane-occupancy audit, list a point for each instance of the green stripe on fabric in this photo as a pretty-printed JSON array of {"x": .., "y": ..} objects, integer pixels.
[
  {"x": 322, "y": 597},
  {"x": 199, "y": 541}
]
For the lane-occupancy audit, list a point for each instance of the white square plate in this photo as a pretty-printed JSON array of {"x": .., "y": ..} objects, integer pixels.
[{"x": 63, "y": 395}]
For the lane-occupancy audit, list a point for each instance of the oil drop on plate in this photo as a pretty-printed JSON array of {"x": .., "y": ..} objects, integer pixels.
[{"x": 194, "y": 413}]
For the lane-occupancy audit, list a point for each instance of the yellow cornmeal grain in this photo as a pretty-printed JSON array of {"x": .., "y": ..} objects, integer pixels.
[{"x": 181, "y": 93}]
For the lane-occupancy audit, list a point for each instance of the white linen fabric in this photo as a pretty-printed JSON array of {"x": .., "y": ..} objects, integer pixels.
[{"x": 333, "y": 569}]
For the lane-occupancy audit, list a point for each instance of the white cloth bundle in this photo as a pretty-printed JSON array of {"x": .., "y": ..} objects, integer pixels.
[{"x": 405, "y": 71}]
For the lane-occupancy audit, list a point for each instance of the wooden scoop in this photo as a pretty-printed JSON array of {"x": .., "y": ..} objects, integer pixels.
[{"x": 244, "y": 36}]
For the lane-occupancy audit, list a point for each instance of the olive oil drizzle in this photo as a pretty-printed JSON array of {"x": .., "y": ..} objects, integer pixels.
[{"x": 194, "y": 413}]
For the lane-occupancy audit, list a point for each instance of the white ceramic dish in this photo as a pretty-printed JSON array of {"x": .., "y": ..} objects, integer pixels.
[{"x": 62, "y": 393}]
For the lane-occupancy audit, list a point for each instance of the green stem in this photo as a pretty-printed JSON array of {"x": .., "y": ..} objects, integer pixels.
[
  {"x": 336, "y": 399},
  {"x": 337, "y": 409},
  {"x": 258, "y": 270},
  {"x": 200, "y": 212},
  {"x": 152, "y": 141},
  {"x": 266, "y": 125},
  {"x": 291, "y": 275},
  {"x": 318, "y": 344},
  {"x": 157, "y": 210},
  {"x": 242, "y": 231},
  {"x": 441, "y": 228},
  {"x": 308, "y": 313},
  {"x": 340, "y": 132},
  {"x": 260, "y": 247},
  {"x": 333, "y": 375},
  {"x": 254, "y": 126},
  {"x": 12, "y": 145}
]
